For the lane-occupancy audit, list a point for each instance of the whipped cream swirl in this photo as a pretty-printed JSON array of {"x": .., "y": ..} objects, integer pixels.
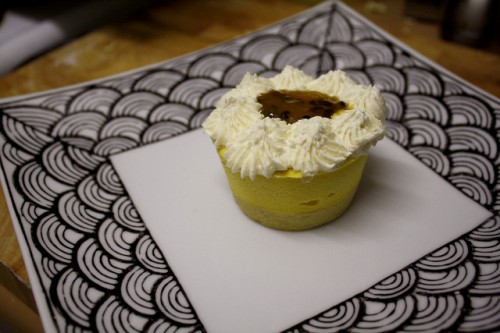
[{"x": 258, "y": 145}]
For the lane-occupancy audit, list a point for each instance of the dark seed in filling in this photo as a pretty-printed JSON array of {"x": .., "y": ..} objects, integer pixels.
[{"x": 293, "y": 105}]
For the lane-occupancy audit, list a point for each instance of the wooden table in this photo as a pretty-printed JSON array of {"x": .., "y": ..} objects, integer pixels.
[{"x": 173, "y": 28}]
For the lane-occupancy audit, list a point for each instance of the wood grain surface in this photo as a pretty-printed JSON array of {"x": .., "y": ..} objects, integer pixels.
[{"x": 173, "y": 28}]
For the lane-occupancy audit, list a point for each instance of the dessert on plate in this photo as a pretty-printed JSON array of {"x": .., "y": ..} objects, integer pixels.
[{"x": 293, "y": 147}]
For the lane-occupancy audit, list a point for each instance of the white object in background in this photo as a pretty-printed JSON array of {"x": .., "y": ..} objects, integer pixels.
[{"x": 27, "y": 38}]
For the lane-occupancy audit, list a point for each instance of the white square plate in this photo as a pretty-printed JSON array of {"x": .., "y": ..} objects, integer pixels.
[{"x": 242, "y": 277}]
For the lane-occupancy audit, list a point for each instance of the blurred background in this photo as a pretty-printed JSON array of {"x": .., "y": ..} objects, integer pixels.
[
  {"x": 29, "y": 28},
  {"x": 473, "y": 23}
]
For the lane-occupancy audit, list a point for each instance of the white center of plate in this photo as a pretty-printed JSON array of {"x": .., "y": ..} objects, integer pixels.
[{"x": 242, "y": 277}]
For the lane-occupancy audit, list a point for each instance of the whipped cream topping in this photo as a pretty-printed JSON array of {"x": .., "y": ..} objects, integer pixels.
[{"x": 258, "y": 145}]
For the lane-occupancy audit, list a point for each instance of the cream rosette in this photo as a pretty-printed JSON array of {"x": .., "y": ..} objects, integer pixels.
[{"x": 258, "y": 145}]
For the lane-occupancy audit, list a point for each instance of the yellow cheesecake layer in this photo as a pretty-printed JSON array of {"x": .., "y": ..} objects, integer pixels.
[{"x": 289, "y": 201}]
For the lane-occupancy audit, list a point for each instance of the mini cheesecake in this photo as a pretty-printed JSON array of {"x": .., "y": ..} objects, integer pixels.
[{"x": 293, "y": 148}]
